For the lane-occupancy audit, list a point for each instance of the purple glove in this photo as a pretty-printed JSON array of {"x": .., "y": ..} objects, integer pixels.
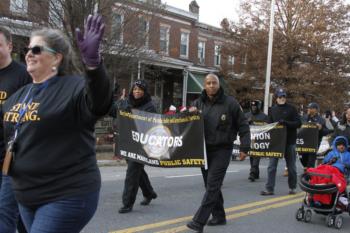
[{"x": 89, "y": 43}]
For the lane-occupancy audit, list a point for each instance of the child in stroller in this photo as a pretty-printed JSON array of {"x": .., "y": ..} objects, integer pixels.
[{"x": 325, "y": 186}]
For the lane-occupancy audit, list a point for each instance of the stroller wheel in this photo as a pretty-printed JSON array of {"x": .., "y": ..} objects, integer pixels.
[
  {"x": 308, "y": 215},
  {"x": 299, "y": 215},
  {"x": 338, "y": 222},
  {"x": 330, "y": 220}
]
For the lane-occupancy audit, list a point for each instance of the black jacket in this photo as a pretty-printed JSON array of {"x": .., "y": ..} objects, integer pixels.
[
  {"x": 256, "y": 119},
  {"x": 55, "y": 149},
  {"x": 223, "y": 119},
  {"x": 290, "y": 117}
]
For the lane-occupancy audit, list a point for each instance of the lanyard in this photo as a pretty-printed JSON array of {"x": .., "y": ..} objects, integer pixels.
[{"x": 26, "y": 103}]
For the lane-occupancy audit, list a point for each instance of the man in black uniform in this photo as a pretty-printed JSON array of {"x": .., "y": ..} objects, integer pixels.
[
  {"x": 255, "y": 117},
  {"x": 223, "y": 119},
  {"x": 309, "y": 159},
  {"x": 12, "y": 76},
  {"x": 287, "y": 115}
]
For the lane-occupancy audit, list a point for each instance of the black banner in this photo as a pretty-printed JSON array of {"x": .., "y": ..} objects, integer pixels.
[
  {"x": 268, "y": 140},
  {"x": 161, "y": 140},
  {"x": 307, "y": 138}
]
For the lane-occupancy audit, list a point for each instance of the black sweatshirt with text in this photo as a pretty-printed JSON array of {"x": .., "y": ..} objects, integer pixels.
[
  {"x": 12, "y": 77},
  {"x": 54, "y": 153}
]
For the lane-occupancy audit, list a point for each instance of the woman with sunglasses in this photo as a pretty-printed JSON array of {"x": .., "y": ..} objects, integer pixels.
[{"x": 49, "y": 128}]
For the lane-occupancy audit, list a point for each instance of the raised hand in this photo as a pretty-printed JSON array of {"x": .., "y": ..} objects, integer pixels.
[{"x": 89, "y": 43}]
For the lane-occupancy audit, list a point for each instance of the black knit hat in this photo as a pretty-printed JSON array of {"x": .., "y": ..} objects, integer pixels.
[{"x": 141, "y": 84}]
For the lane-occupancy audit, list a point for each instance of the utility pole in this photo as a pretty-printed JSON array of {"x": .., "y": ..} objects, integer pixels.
[{"x": 269, "y": 58}]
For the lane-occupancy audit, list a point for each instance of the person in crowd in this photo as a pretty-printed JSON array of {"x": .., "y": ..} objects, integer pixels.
[
  {"x": 136, "y": 176},
  {"x": 313, "y": 116},
  {"x": 223, "y": 119},
  {"x": 339, "y": 157},
  {"x": 13, "y": 75},
  {"x": 343, "y": 126},
  {"x": 286, "y": 115},
  {"x": 331, "y": 120},
  {"x": 255, "y": 117},
  {"x": 49, "y": 131}
]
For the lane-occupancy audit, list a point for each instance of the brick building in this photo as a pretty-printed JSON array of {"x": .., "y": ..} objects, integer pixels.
[
  {"x": 180, "y": 51},
  {"x": 162, "y": 44}
]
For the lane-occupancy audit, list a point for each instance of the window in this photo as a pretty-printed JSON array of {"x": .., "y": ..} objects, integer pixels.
[
  {"x": 19, "y": 6},
  {"x": 217, "y": 55},
  {"x": 143, "y": 32},
  {"x": 201, "y": 52},
  {"x": 164, "y": 39},
  {"x": 117, "y": 28},
  {"x": 55, "y": 13},
  {"x": 184, "y": 44},
  {"x": 231, "y": 60},
  {"x": 244, "y": 59}
]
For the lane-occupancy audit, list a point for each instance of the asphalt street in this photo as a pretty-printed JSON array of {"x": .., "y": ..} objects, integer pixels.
[{"x": 180, "y": 191}]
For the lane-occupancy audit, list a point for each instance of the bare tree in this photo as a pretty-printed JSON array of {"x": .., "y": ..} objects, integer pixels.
[
  {"x": 310, "y": 50},
  {"x": 127, "y": 26}
]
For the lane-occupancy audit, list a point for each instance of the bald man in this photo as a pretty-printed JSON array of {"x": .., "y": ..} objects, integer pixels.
[{"x": 223, "y": 119}]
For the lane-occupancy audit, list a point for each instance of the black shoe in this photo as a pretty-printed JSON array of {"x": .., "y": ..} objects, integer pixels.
[
  {"x": 197, "y": 227},
  {"x": 216, "y": 221},
  {"x": 147, "y": 200},
  {"x": 266, "y": 193},
  {"x": 251, "y": 178},
  {"x": 125, "y": 209}
]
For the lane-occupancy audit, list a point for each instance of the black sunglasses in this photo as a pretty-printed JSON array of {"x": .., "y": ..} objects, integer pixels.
[{"x": 37, "y": 49}]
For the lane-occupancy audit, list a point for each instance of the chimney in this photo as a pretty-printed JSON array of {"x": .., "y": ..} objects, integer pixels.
[{"x": 194, "y": 8}]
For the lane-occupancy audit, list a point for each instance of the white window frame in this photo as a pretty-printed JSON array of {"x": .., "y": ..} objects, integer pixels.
[
  {"x": 167, "y": 36},
  {"x": 19, "y": 6},
  {"x": 121, "y": 36},
  {"x": 187, "y": 34},
  {"x": 201, "y": 59},
  {"x": 217, "y": 55},
  {"x": 231, "y": 60},
  {"x": 146, "y": 32}
]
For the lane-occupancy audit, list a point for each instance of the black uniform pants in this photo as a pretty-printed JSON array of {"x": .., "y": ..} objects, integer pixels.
[
  {"x": 308, "y": 159},
  {"x": 136, "y": 177},
  {"x": 254, "y": 167},
  {"x": 213, "y": 201}
]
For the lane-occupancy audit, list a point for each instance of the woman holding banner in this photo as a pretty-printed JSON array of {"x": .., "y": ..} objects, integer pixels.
[{"x": 136, "y": 176}]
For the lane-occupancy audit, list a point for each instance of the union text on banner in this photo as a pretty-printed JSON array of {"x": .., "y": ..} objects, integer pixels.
[
  {"x": 161, "y": 140},
  {"x": 268, "y": 140}
]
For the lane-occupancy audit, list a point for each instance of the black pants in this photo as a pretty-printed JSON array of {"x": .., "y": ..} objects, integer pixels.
[
  {"x": 308, "y": 159},
  {"x": 213, "y": 201},
  {"x": 136, "y": 177},
  {"x": 254, "y": 167}
]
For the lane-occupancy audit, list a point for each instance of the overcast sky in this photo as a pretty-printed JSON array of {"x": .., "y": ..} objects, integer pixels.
[{"x": 210, "y": 11}]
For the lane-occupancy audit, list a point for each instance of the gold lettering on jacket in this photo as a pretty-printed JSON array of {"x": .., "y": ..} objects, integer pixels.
[
  {"x": 30, "y": 115},
  {"x": 3, "y": 97}
]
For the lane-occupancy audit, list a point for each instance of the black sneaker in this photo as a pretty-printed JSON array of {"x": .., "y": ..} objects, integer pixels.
[
  {"x": 251, "y": 178},
  {"x": 197, "y": 227},
  {"x": 216, "y": 221},
  {"x": 147, "y": 200},
  {"x": 125, "y": 209},
  {"x": 266, "y": 193}
]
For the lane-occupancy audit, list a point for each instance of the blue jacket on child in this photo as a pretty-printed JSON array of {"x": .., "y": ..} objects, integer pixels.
[{"x": 342, "y": 159}]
